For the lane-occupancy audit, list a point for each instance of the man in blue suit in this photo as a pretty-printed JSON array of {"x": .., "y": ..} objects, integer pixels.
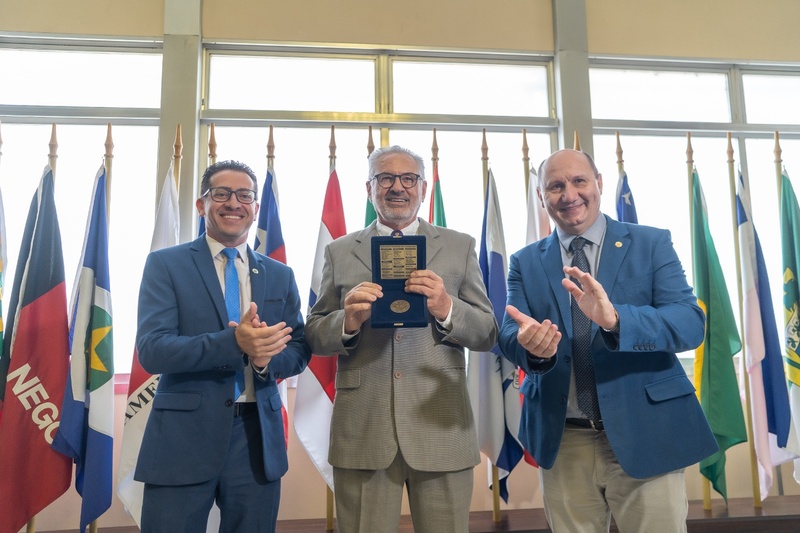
[
  {"x": 608, "y": 412},
  {"x": 216, "y": 430}
]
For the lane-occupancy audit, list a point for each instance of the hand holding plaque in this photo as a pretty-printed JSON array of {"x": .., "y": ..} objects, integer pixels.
[{"x": 394, "y": 258}]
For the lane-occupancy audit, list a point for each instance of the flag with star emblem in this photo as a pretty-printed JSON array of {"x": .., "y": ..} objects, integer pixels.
[
  {"x": 33, "y": 369},
  {"x": 87, "y": 414},
  {"x": 714, "y": 373},
  {"x": 626, "y": 208}
]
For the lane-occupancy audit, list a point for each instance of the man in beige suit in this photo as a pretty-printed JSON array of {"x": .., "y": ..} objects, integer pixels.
[{"x": 401, "y": 414}]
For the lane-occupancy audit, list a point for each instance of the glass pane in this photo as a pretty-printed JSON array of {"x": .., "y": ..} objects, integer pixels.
[
  {"x": 301, "y": 165},
  {"x": 659, "y": 95},
  {"x": 461, "y": 177},
  {"x": 89, "y": 79},
  {"x": 772, "y": 99},
  {"x": 470, "y": 89},
  {"x": 302, "y": 171},
  {"x": 661, "y": 192},
  {"x": 80, "y": 154},
  {"x": 291, "y": 83}
]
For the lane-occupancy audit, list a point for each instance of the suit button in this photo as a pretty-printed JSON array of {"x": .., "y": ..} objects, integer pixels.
[
  {"x": 398, "y": 374},
  {"x": 228, "y": 403},
  {"x": 397, "y": 337},
  {"x": 567, "y": 359}
]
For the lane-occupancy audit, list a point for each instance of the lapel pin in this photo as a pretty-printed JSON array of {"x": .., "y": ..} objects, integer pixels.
[
  {"x": 618, "y": 244},
  {"x": 254, "y": 271}
]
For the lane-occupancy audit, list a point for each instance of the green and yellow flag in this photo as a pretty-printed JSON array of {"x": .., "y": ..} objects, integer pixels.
[
  {"x": 714, "y": 373},
  {"x": 790, "y": 233}
]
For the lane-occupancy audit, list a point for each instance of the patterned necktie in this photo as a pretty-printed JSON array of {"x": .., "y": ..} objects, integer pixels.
[
  {"x": 232, "y": 303},
  {"x": 583, "y": 366}
]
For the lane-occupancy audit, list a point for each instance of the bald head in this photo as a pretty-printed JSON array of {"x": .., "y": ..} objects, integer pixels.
[{"x": 570, "y": 188}]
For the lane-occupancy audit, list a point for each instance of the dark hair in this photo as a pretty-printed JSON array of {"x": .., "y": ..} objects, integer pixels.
[{"x": 219, "y": 166}]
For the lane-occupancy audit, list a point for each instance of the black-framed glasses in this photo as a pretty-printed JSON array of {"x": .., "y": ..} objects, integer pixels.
[
  {"x": 223, "y": 194},
  {"x": 386, "y": 180}
]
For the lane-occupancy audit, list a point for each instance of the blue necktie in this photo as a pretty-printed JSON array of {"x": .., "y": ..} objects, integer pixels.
[
  {"x": 232, "y": 303},
  {"x": 583, "y": 365}
]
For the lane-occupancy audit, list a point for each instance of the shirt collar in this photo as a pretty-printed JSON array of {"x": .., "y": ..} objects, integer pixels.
[
  {"x": 594, "y": 234},
  {"x": 216, "y": 247},
  {"x": 384, "y": 230}
]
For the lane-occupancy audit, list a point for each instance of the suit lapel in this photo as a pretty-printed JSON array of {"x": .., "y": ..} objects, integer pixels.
[
  {"x": 205, "y": 265},
  {"x": 432, "y": 244},
  {"x": 363, "y": 246},
  {"x": 615, "y": 247},
  {"x": 553, "y": 266},
  {"x": 258, "y": 278}
]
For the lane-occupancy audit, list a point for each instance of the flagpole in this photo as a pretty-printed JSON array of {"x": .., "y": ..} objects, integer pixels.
[
  {"x": 435, "y": 172},
  {"x": 53, "y": 154},
  {"x": 270, "y": 149},
  {"x": 744, "y": 370},
  {"x": 370, "y": 143},
  {"x": 526, "y": 162},
  {"x": 176, "y": 157},
  {"x": 620, "y": 161},
  {"x": 576, "y": 143},
  {"x": 495, "y": 473},
  {"x": 778, "y": 167},
  {"x": 690, "y": 170},
  {"x": 779, "y": 175},
  {"x": 212, "y": 145},
  {"x": 328, "y": 492},
  {"x": 107, "y": 160}
]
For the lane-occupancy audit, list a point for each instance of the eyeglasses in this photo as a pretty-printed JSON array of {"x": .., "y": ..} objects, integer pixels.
[
  {"x": 386, "y": 180},
  {"x": 223, "y": 194}
]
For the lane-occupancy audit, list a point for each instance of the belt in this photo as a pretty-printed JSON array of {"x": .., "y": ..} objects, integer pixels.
[
  {"x": 242, "y": 408},
  {"x": 585, "y": 423}
]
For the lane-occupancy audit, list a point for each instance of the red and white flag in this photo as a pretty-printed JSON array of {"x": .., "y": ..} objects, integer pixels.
[
  {"x": 33, "y": 369},
  {"x": 142, "y": 385},
  {"x": 316, "y": 386}
]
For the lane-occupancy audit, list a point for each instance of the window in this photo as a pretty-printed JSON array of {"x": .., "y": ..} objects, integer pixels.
[{"x": 121, "y": 84}]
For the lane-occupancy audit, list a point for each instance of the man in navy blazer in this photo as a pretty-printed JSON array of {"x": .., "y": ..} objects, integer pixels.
[
  {"x": 202, "y": 443},
  {"x": 628, "y": 458}
]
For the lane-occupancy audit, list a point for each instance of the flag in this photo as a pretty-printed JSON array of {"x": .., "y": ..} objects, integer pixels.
[
  {"x": 538, "y": 219},
  {"x": 86, "y": 433},
  {"x": 714, "y": 374},
  {"x": 769, "y": 398},
  {"x": 269, "y": 242},
  {"x": 494, "y": 394},
  {"x": 3, "y": 263},
  {"x": 316, "y": 386},
  {"x": 33, "y": 370},
  {"x": 790, "y": 235},
  {"x": 538, "y": 228},
  {"x": 370, "y": 215},
  {"x": 626, "y": 207},
  {"x": 436, "y": 216},
  {"x": 142, "y": 385}
]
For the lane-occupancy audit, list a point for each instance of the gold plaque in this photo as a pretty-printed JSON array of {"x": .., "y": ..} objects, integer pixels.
[
  {"x": 398, "y": 261},
  {"x": 400, "y": 306}
]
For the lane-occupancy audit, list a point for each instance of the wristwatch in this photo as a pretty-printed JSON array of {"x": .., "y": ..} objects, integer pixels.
[{"x": 615, "y": 328}]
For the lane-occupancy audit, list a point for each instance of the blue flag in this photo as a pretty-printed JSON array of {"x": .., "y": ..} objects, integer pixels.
[
  {"x": 269, "y": 236},
  {"x": 87, "y": 414},
  {"x": 493, "y": 381},
  {"x": 626, "y": 208}
]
